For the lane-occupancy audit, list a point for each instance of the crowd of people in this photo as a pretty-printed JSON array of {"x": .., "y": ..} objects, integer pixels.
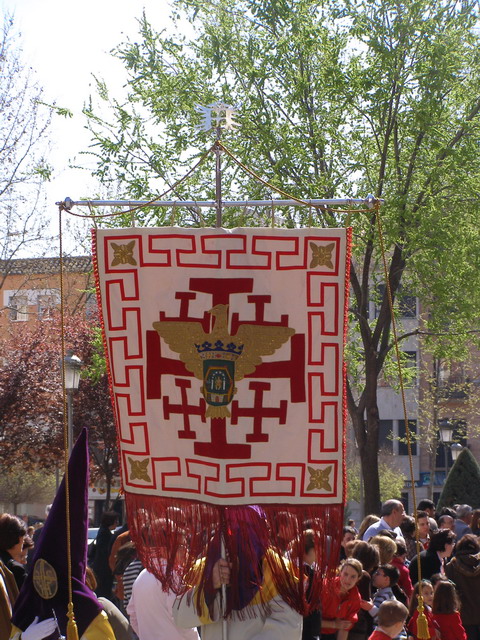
[{"x": 386, "y": 567}]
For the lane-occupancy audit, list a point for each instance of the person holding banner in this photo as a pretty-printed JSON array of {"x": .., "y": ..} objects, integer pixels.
[{"x": 261, "y": 614}]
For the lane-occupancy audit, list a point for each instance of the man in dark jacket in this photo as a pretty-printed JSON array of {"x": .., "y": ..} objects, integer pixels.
[{"x": 100, "y": 565}]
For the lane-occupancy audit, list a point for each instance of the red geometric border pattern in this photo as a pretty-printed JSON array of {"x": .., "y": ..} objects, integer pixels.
[{"x": 122, "y": 315}]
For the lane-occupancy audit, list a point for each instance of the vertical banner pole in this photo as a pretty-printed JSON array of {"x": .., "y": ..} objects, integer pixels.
[
  {"x": 218, "y": 181},
  {"x": 224, "y": 595}
]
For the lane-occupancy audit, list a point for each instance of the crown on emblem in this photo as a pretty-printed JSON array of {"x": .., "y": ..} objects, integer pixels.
[{"x": 218, "y": 350}]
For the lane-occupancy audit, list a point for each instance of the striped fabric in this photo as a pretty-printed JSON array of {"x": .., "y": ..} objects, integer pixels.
[{"x": 129, "y": 577}]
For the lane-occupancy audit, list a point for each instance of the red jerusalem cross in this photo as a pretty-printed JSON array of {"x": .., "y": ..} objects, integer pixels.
[
  {"x": 158, "y": 366},
  {"x": 184, "y": 408},
  {"x": 258, "y": 412}
]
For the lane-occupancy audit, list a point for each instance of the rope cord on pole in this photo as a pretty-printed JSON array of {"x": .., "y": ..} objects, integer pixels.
[
  {"x": 422, "y": 623},
  {"x": 280, "y": 191},
  {"x": 72, "y": 631}
]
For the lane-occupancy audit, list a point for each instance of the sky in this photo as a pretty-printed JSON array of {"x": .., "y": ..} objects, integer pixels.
[{"x": 65, "y": 42}]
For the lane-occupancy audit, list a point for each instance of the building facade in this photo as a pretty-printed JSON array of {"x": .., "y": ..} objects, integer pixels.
[
  {"x": 30, "y": 291},
  {"x": 437, "y": 391}
]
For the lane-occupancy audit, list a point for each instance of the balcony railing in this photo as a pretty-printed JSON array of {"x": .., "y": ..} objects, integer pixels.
[{"x": 454, "y": 387}]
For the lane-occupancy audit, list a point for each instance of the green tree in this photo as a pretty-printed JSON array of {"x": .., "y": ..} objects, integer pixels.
[
  {"x": 19, "y": 486},
  {"x": 337, "y": 98},
  {"x": 94, "y": 409},
  {"x": 24, "y": 124},
  {"x": 449, "y": 391},
  {"x": 392, "y": 480},
  {"x": 462, "y": 485}
]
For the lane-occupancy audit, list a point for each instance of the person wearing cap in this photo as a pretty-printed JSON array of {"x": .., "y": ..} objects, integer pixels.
[{"x": 42, "y": 606}]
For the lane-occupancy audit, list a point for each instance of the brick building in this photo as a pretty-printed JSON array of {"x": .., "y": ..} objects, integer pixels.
[
  {"x": 30, "y": 288},
  {"x": 30, "y": 291}
]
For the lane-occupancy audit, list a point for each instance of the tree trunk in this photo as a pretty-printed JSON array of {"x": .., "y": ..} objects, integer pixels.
[
  {"x": 108, "y": 492},
  {"x": 365, "y": 418},
  {"x": 369, "y": 456},
  {"x": 368, "y": 450},
  {"x": 433, "y": 459}
]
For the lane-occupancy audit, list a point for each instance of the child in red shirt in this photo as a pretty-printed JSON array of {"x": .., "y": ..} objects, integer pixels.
[
  {"x": 427, "y": 595},
  {"x": 445, "y": 608},
  {"x": 341, "y": 601},
  {"x": 391, "y": 618},
  {"x": 398, "y": 560}
]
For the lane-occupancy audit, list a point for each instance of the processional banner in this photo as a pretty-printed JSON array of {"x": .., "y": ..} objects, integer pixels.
[{"x": 225, "y": 350}]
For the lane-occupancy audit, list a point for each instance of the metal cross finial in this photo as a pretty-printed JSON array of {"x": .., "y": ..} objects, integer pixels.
[{"x": 217, "y": 115}]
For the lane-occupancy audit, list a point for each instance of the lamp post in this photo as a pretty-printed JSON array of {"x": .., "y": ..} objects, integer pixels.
[
  {"x": 72, "y": 366},
  {"x": 456, "y": 448},
  {"x": 445, "y": 430}
]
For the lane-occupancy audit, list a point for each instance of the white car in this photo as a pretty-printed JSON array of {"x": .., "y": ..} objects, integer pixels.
[{"x": 92, "y": 534}]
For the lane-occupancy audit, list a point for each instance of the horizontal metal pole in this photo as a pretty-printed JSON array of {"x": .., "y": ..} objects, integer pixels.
[{"x": 369, "y": 201}]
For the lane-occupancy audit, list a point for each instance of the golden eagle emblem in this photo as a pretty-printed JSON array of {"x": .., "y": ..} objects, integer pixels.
[{"x": 218, "y": 358}]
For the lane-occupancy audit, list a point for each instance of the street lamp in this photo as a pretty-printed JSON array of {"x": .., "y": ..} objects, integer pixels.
[
  {"x": 455, "y": 449},
  {"x": 445, "y": 428},
  {"x": 72, "y": 366}
]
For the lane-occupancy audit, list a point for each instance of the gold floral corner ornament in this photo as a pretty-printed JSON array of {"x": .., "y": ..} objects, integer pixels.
[
  {"x": 123, "y": 254},
  {"x": 321, "y": 255},
  {"x": 45, "y": 579},
  {"x": 138, "y": 469},
  {"x": 319, "y": 479}
]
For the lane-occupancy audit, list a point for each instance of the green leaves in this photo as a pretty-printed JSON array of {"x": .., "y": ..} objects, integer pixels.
[
  {"x": 392, "y": 479},
  {"x": 336, "y": 99},
  {"x": 236, "y": 58},
  {"x": 43, "y": 170},
  {"x": 59, "y": 111}
]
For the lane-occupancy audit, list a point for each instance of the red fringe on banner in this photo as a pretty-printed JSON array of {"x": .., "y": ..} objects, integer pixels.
[{"x": 258, "y": 540}]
